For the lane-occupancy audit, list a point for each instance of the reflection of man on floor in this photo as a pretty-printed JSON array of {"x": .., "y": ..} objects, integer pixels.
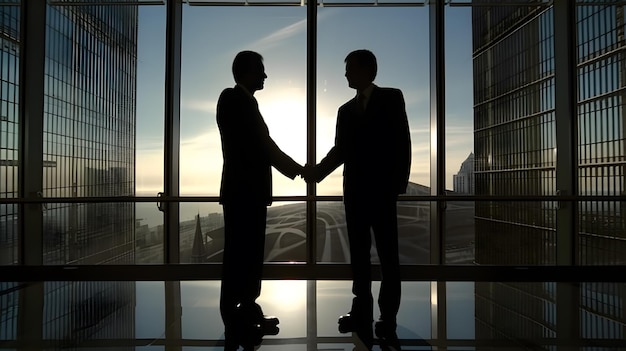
[
  {"x": 249, "y": 153},
  {"x": 372, "y": 142}
]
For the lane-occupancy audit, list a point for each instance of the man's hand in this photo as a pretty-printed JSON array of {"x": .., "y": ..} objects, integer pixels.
[{"x": 309, "y": 173}]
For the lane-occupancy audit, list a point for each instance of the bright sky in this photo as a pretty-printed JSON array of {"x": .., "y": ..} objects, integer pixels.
[{"x": 213, "y": 35}]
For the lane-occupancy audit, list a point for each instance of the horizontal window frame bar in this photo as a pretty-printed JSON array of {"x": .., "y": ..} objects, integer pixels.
[
  {"x": 237, "y": 4},
  {"x": 321, "y": 4},
  {"x": 105, "y": 3},
  {"x": 319, "y": 198},
  {"x": 317, "y": 271},
  {"x": 504, "y": 343},
  {"x": 498, "y": 4}
]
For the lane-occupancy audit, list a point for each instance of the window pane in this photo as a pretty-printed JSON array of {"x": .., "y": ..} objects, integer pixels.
[
  {"x": 9, "y": 130},
  {"x": 150, "y": 103},
  {"x": 514, "y": 133},
  {"x": 459, "y": 230},
  {"x": 149, "y": 151},
  {"x": 91, "y": 116},
  {"x": 399, "y": 39},
  {"x": 202, "y": 236},
  {"x": 601, "y": 133},
  {"x": 212, "y": 36}
]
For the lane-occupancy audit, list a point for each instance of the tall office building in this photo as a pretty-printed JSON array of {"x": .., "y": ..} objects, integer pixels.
[
  {"x": 515, "y": 145},
  {"x": 88, "y": 132},
  {"x": 88, "y": 151},
  {"x": 9, "y": 60},
  {"x": 463, "y": 181}
]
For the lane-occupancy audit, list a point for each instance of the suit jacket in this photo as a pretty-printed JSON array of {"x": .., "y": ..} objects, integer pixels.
[
  {"x": 248, "y": 150},
  {"x": 374, "y": 146}
]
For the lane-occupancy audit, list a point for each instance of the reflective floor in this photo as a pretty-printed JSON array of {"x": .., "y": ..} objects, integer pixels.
[{"x": 185, "y": 316}]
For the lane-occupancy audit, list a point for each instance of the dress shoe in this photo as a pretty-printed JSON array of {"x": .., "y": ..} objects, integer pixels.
[
  {"x": 386, "y": 333},
  {"x": 362, "y": 328},
  {"x": 269, "y": 325},
  {"x": 346, "y": 323}
]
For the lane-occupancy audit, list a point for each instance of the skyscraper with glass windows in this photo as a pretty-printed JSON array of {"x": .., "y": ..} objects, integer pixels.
[
  {"x": 88, "y": 132},
  {"x": 9, "y": 60},
  {"x": 515, "y": 143},
  {"x": 89, "y": 117},
  {"x": 463, "y": 181}
]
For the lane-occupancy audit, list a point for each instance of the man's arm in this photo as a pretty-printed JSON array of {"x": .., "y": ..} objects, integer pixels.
[
  {"x": 403, "y": 144},
  {"x": 335, "y": 156},
  {"x": 281, "y": 161}
]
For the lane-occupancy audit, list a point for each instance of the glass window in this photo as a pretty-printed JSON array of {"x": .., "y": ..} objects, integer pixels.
[
  {"x": 9, "y": 130},
  {"x": 402, "y": 59},
  {"x": 106, "y": 67},
  {"x": 459, "y": 135},
  {"x": 514, "y": 133},
  {"x": 212, "y": 36},
  {"x": 601, "y": 158},
  {"x": 399, "y": 39}
]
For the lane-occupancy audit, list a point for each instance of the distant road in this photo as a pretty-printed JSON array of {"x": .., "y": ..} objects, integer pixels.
[{"x": 286, "y": 233}]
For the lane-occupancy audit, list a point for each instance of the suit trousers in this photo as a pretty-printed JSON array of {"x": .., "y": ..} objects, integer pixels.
[
  {"x": 244, "y": 244},
  {"x": 379, "y": 214}
]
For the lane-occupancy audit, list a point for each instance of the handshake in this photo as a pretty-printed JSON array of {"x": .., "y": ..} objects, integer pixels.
[{"x": 311, "y": 173}]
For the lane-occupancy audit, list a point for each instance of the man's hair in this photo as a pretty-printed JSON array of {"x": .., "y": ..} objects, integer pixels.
[
  {"x": 364, "y": 58},
  {"x": 244, "y": 63}
]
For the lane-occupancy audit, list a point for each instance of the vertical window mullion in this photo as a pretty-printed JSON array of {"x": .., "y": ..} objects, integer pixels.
[
  {"x": 31, "y": 105},
  {"x": 172, "y": 130}
]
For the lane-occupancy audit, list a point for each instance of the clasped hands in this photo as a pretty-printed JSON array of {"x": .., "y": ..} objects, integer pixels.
[{"x": 310, "y": 173}]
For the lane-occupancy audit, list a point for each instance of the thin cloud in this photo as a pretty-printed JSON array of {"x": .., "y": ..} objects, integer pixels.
[
  {"x": 280, "y": 35},
  {"x": 418, "y": 131},
  {"x": 200, "y": 105}
]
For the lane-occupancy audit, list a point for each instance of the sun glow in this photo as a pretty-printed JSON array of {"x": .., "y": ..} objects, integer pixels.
[
  {"x": 283, "y": 295},
  {"x": 284, "y": 112}
]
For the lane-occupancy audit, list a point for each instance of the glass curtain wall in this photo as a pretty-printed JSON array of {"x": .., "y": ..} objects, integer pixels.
[
  {"x": 9, "y": 129},
  {"x": 10, "y": 12},
  {"x": 103, "y": 138},
  {"x": 90, "y": 150},
  {"x": 89, "y": 133},
  {"x": 601, "y": 161},
  {"x": 516, "y": 130},
  {"x": 103, "y": 128},
  {"x": 104, "y": 83},
  {"x": 514, "y": 140}
]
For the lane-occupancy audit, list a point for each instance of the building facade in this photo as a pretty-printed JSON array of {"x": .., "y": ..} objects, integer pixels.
[
  {"x": 515, "y": 145},
  {"x": 463, "y": 181},
  {"x": 88, "y": 151},
  {"x": 9, "y": 129}
]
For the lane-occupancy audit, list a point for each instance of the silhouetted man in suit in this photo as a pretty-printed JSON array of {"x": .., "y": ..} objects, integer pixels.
[
  {"x": 246, "y": 190},
  {"x": 373, "y": 143}
]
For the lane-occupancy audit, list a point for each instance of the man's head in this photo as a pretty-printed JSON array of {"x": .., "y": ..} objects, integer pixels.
[
  {"x": 361, "y": 69},
  {"x": 248, "y": 70}
]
